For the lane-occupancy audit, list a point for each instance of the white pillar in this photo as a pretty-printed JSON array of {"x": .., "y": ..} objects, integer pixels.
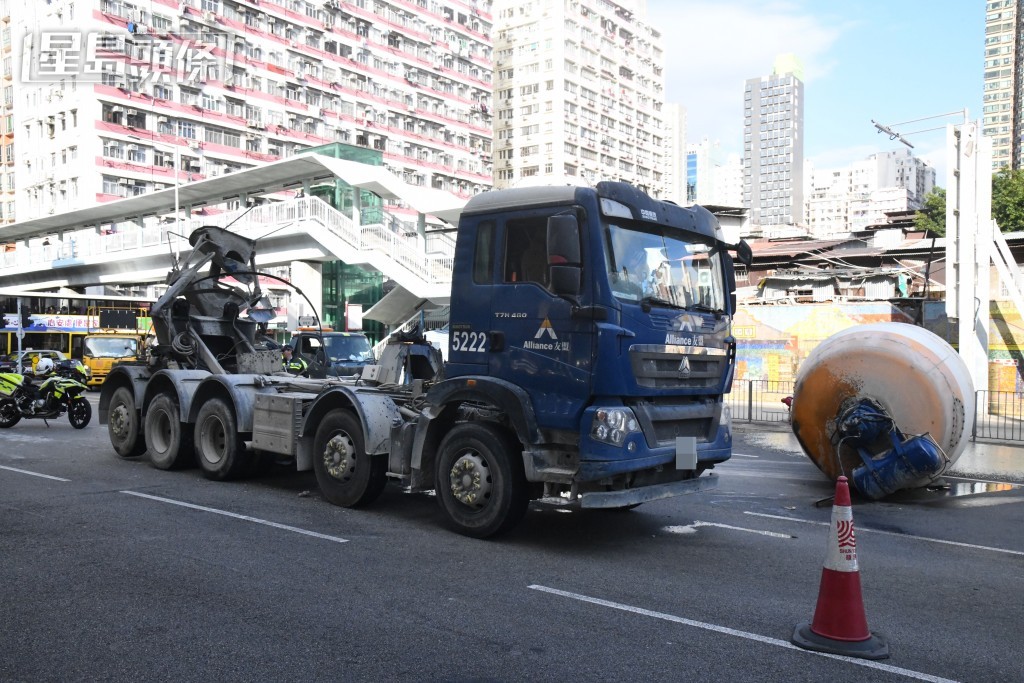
[
  {"x": 969, "y": 244},
  {"x": 308, "y": 277}
]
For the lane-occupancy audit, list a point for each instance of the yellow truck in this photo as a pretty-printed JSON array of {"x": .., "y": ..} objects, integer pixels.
[{"x": 101, "y": 350}]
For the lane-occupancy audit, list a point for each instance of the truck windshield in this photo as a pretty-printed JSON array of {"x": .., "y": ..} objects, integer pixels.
[
  {"x": 110, "y": 347},
  {"x": 662, "y": 266},
  {"x": 354, "y": 348}
]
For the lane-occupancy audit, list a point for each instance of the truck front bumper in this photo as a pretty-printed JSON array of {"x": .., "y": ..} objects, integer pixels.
[{"x": 645, "y": 494}]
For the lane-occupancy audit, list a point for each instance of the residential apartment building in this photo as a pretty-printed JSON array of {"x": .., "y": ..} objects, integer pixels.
[
  {"x": 773, "y": 146},
  {"x": 841, "y": 201},
  {"x": 713, "y": 178},
  {"x": 110, "y": 98},
  {"x": 675, "y": 170},
  {"x": 579, "y": 92},
  {"x": 1002, "y": 112}
]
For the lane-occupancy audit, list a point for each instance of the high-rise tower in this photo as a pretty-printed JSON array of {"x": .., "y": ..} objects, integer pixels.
[
  {"x": 579, "y": 91},
  {"x": 773, "y": 145},
  {"x": 1002, "y": 112}
]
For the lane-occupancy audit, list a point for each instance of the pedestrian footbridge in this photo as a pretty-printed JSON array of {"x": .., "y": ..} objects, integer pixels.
[{"x": 77, "y": 249}]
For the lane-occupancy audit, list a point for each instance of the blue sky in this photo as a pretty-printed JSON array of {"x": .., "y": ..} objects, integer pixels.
[{"x": 887, "y": 60}]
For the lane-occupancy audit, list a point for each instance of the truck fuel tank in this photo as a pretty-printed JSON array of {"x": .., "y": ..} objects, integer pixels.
[{"x": 889, "y": 405}]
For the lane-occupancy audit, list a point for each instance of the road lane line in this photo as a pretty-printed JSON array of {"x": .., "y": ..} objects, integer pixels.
[
  {"x": 245, "y": 518},
  {"x": 744, "y": 455},
  {"x": 894, "y": 533},
  {"x": 691, "y": 528},
  {"x": 34, "y": 474},
  {"x": 725, "y": 630},
  {"x": 1014, "y": 484}
]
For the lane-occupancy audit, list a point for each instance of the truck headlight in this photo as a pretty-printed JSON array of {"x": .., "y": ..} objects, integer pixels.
[{"x": 613, "y": 425}]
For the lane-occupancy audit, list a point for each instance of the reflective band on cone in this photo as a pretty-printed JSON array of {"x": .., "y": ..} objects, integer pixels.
[{"x": 840, "y": 625}]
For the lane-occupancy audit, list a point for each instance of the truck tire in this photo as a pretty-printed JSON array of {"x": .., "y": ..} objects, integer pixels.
[
  {"x": 168, "y": 441},
  {"x": 346, "y": 475},
  {"x": 481, "y": 486},
  {"x": 123, "y": 426},
  {"x": 219, "y": 447}
]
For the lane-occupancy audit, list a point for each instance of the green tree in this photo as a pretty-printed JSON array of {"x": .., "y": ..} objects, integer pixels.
[
  {"x": 932, "y": 216},
  {"x": 1008, "y": 200}
]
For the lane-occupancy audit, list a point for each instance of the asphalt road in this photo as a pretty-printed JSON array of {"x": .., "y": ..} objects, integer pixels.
[{"x": 112, "y": 570}]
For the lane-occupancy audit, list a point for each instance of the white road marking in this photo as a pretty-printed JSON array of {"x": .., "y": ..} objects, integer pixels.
[
  {"x": 983, "y": 481},
  {"x": 692, "y": 528},
  {"x": 744, "y": 455},
  {"x": 34, "y": 474},
  {"x": 246, "y": 518},
  {"x": 893, "y": 533},
  {"x": 725, "y": 630}
]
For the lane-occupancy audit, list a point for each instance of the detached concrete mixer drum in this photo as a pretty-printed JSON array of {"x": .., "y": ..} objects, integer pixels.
[{"x": 889, "y": 405}]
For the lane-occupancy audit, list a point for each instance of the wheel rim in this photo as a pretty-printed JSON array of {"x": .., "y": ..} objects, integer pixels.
[
  {"x": 214, "y": 440},
  {"x": 160, "y": 431},
  {"x": 119, "y": 421},
  {"x": 8, "y": 410},
  {"x": 339, "y": 457},
  {"x": 77, "y": 411},
  {"x": 470, "y": 480}
]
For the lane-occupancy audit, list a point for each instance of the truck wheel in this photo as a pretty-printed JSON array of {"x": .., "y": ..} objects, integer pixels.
[
  {"x": 9, "y": 413},
  {"x": 347, "y": 476},
  {"x": 168, "y": 441},
  {"x": 481, "y": 486},
  {"x": 123, "y": 424},
  {"x": 220, "y": 450},
  {"x": 79, "y": 412}
]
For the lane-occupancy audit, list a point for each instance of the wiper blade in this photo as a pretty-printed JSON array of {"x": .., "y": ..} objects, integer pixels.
[
  {"x": 658, "y": 300},
  {"x": 704, "y": 308}
]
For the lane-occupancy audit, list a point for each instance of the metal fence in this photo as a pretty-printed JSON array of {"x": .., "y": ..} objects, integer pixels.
[
  {"x": 998, "y": 415},
  {"x": 759, "y": 400}
]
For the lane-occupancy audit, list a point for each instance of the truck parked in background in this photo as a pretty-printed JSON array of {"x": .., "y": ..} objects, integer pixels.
[
  {"x": 590, "y": 348},
  {"x": 332, "y": 354},
  {"x": 102, "y": 350}
]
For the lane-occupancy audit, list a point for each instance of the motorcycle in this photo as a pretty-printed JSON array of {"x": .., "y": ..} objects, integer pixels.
[{"x": 60, "y": 392}]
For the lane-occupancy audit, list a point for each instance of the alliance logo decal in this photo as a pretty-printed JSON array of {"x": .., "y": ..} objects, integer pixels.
[{"x": 545, "y": 328}]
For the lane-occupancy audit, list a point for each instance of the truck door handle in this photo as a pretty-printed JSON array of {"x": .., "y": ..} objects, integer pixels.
[{"x": 495, "y": 341}]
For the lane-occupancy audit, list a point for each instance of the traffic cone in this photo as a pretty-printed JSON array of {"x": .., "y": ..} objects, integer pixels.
[{"x": 840, "y": 625}]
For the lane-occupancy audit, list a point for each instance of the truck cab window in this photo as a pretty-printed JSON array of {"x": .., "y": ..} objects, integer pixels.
[
  {"x": 483, "y": 256},
  {"x": 526, "y": 251}
]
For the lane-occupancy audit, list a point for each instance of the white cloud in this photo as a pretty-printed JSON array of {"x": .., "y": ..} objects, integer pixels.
[{"x": 712, "y": 48}]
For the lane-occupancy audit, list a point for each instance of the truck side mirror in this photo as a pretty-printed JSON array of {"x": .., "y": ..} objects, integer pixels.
[
  {"x": 564, "y": 260},
  {"x": 743, "y": 252}
]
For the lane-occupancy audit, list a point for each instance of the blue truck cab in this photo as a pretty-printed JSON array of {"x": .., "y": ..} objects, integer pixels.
[{"x": 590, "y": 329}]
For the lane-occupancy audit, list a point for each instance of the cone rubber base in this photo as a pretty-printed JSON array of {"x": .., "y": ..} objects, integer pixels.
[{"x": 874, "y": 647}]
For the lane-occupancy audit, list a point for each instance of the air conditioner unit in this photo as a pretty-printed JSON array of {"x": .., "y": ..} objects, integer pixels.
[
  {"x": 133, "y": 148},
  {"x": 254, "y": 123},
  {"x": 209, "y": 16},
  {"x": 116, "y": 109},
  {"x": 131, "y": 112},
  {"x": 162, "y": 119}
]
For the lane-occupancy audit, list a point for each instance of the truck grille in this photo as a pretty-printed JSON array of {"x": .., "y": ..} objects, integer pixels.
[
  {"x": 658, "y": 366},
  {"x": 662, "y": 420}
]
